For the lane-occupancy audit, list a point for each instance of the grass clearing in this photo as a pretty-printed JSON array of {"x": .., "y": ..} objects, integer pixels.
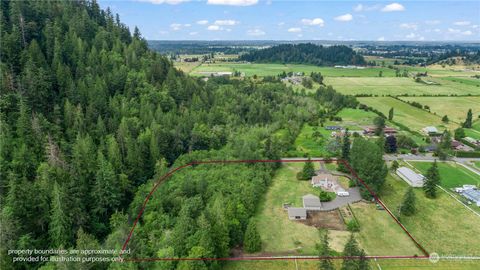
[
  {"x": 397, "y": 86},
  {"x": 306, "y": 144},
  {"x": 410, "y": 116},
  {"x": 455, "y": 107},
  {"x": 452, "y": 174},
  {"x": 441, "y": 225},
  {"x": 380, "y": 234}
]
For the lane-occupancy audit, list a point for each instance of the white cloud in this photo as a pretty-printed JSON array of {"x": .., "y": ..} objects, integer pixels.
[
  {"x": 187, "y": 25},
  {"x": 233, "y": 2},
  {"x": 202, "y": 22},
  {"x": 226, "y": 22},
  {"x": 214, "y": 28},
  {"x": 344, "y": 18},
  {"x": 255, "y": 32},
  {"x": 393, "y": 7},
  {"x": 413, "y": 26},
  {"x": 381, "y": 39},
  {"x": 159, "y": 2},
  {"x": 432, "y": 22},
  {"x": 315, "y": 21},
  {"x": 281, "y": 24},
  {"x": 467, "y": 33},
  {"x": 358, "y": 8},
  {"x": 436, "y": 30},
  {"x": 294, "y": 30},
  {"x": 176, "y": 26},
  {"x": 475, "y": 26},
  {"x": 193, "y": 33},
  {"x": 461, "y": 23}
]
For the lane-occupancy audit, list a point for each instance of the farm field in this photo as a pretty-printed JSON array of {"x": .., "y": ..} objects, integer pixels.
[
  {"x": 390, "y": 264},
  {"x": 396, "y": 86},
  {"x": 452, "y": 174},
  {"x": 472, "y": 132},
  {"x": 439, "y": 71},
  {"x": 258, "y": 69},
  {"x": 355, "y": 119},
  {"x": 405, "y": 114},
  {"x": 455, "y": 107},
  {"x": 464, "y": 80},
  {"x": 439, "y": 224},
  {"x": 278, "y": 233}
]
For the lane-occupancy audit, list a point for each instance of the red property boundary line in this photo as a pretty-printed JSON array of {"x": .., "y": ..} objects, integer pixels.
[{"x": 354, "y": 174}]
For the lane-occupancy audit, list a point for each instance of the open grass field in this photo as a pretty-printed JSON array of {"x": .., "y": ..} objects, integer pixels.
[
  {"x": 186, "y": 66},
  {"x": 447, "y": 71},
  {"x": 355, "y": 119},
  {"x": 278, "y": 233},
  {"x": 441, "y": 225},
  {"x": 397, "y": 86},
  {"x": 405, "y": 114},
  {"x": 455, "y": 107},
  {"x": 306, "y": 144},
  {"x": 390, "y": 264},
  {"x": 251, "y": 69},
  {"x": 452, "y": 174},
  {"x": 380, "y": 234},
  {"x": 464, "y": 80}
]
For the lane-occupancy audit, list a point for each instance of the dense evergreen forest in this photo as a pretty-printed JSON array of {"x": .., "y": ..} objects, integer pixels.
[
  {"x": 306, "y": 53},
  {"x": 90, "y": 117}
]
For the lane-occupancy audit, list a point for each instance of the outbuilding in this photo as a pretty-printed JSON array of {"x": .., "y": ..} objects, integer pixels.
[
  {"x": 295, "y": 213},
  {"x": 311, "y": 202},
  {"x": 412, "y": 178}
]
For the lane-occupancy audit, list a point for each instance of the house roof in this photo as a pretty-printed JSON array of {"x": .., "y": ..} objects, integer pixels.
[
  {"x": 411, "y": 176},
  {"x": 472, "y": 194},
  {"x": 310, "y": 200},
  {"x": 294, "y": 211},
  {"x": 431, "y": 129},
  {"x": 322, "y": 176}
]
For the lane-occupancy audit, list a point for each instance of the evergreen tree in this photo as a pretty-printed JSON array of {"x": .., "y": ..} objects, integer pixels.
[
  {"x": 445, "y": 119},
  {"x": 394, "y": 165},
  {"x": 59, "y": 222},
  {"x": 252, "y": 242},
  {"x": 106, "y": 190},
  {"x": 345, "y": 152},
  {"x": 390, "y": 114},
  {"x": 432, "y": 179},
  {"x": 391, "y": 144},
  {"x": 351, "y": 250},
  {"x": 379, "y": 123},
  {"x": 307, "y": 172},
  {"x": 459, "y": 134},
  {"x": 324, "y": 254},
  {"x": 468, "y": 120},
  {"x": 408, "y": 207}
]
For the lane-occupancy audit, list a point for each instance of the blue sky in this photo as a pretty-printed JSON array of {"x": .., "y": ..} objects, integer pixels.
[{"x": 301, "y": 20}]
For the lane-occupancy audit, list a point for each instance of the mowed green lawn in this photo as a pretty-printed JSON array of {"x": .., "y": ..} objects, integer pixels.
[
  {"x": 455, "y": 107},
  {"x": 441, "y": 225},
  {"x": 452, "y": 174},
  {"x": 278, "y": 233},
  {"x": 251, "y": 69},
  {"x": 397, "y": 86},
  {"x": 387, "y": 264},
  {"x": 355, "y": 118},
  {"x": 405, "y": 114}
]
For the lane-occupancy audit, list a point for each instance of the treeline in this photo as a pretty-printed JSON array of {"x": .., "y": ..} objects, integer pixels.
[
  {"x": 90, "y": 117},
  {"x": 306, "y": 53}
]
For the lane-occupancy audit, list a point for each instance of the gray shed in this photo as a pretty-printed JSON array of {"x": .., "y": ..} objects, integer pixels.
[
  {"x": 297, "y": 213},
  {"x": 311, "y": 202}
]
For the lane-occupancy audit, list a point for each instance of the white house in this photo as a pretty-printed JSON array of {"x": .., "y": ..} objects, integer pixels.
[
  {"x": 430, "y": 130},
  {"x": 412, "y": 178}
]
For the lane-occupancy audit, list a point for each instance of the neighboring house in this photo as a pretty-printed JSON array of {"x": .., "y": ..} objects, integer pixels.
[
  {"x": 333, "y": 128},
  {"x": 412, "y": 178},
  {"x": 456, "y": 145},
  {"x": 472, "y": 195},
  {"x": 430, "y": 130},
  {"x": 311, "y": 202},
  {"x": 295, "y": 213},
  {"x": 464, "y": 188},
  {"x": 386, "y": 130}
]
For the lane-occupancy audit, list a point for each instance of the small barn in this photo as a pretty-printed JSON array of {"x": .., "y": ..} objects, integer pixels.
[
  {"x": 311, "y": 202},
  {"x": 412, "y": 178},
  {"x": 295, "y": 213}
]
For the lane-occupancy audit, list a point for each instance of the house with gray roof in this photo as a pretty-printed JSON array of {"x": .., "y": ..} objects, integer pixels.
[
  {"x": 295, "y": 213},
  {"x": 472, "y": 195},
  {"x": 311, "y": 202}
]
